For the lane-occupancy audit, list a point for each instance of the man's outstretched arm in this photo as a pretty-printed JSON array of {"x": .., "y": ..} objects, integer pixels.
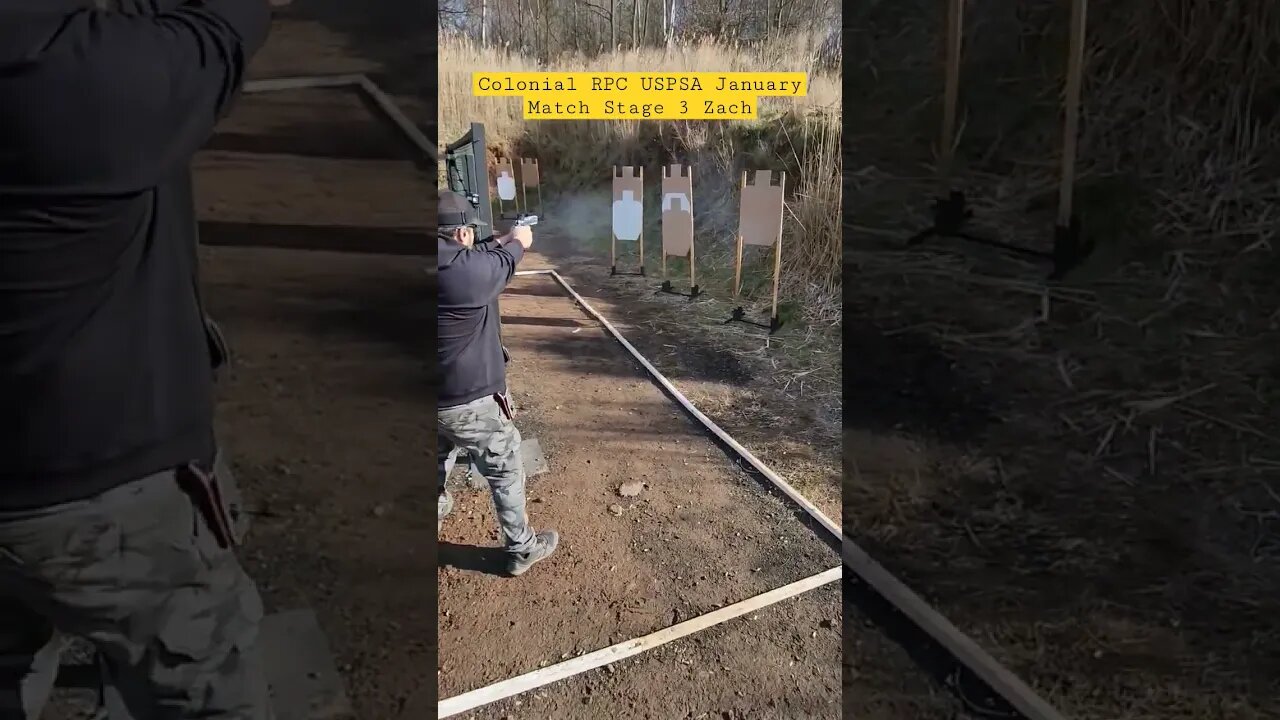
[{"x": 491, "y": 266}]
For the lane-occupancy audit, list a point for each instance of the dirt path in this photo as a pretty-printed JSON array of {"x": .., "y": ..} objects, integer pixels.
[
  {"x": 323, "y": 416},
  {"x": 700, "y": 536},
  {"x": 325, "y": 410},
  {"x": 726, "y": 372}
]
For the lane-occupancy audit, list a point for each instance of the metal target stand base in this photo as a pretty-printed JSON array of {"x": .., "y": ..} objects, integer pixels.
[
  {"x": 951, "y": 216},
  {"x": 668, "y": 288},
  {"x": 1070, "y": 249},
  {"x": 740, "y": 315},
  {"x": 613, "y": 272}
]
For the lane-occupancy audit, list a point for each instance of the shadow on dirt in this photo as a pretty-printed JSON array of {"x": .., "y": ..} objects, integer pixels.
[
  {"x": 332, "y": 238},
  {"x": 540, "y": 291},
  {"x": 351, "y": 140},
  {"x": 472, "y": 558},
  {"x": 543, "y": 321},
  {"x": 905, "y": 384},
  {"x": 389, "y": 311},
  {"x": 604, "y": 355},
  {"x": 680, "y": 356}
]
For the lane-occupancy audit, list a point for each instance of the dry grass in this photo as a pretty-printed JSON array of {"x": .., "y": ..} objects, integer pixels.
[
  {"x": 801, "y": 136},
  {"x": 1114, "y": 531}
]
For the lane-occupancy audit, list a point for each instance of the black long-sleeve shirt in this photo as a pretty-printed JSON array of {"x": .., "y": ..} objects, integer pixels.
[
  {"x": 105, "y": 372},
  {"x": 469, "y": 344}
]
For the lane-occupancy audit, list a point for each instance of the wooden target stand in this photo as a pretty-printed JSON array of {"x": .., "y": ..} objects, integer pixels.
[
  {"x": 677, "y": 224},
  {"x": 760, "y": 209},
  {"x": 531, "y": 177},
  {"x": 951, "y": 215},
  {"x": 628, "y": 214},
  {"x": 504, "y": 183}
]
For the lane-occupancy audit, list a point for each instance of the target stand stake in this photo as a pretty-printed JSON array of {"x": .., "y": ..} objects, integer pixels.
[
  {"x": 740, "y": 315},
  {"x": 950, "y": 215},
  {"x": 1069, "y": 249}
]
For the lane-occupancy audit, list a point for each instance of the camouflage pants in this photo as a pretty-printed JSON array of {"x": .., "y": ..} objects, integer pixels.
[
  {"x": 484, "y": 431},
  {"x": 137, "y": 572}
]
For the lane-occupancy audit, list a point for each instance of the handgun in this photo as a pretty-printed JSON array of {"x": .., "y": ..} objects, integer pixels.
[{"x": 526, "y": 220}]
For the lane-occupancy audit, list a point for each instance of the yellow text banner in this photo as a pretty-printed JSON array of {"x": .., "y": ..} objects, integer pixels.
[{"x": 640, "y": 95}]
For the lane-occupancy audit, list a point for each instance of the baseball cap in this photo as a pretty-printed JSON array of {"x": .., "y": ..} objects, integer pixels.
[{"x": 455, "y": 209}]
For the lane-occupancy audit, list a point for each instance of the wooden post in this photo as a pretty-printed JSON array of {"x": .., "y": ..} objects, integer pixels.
[
  {"x": 692, "y": 235},
  {"x": 777, "y": 248},
  {"x": 502, "y": 206},
  {"x": 737, "y": 266},
  {"x": 951, "y": 97},
  {"x": 1071, "y": 123},
  {"x": 529, "y": 170},
  {"x": 613, "y": 237},
  {"x": 640, "y": 172}
]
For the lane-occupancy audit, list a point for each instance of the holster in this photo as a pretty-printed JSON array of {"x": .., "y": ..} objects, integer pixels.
[
  {"x": 505, "y": 405},
  {"x": 219, "y": 351},
  {"x": 216, "y": 495}
]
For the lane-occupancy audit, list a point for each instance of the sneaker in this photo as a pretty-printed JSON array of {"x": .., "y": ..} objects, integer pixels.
[{"x": 546, "y": 544}]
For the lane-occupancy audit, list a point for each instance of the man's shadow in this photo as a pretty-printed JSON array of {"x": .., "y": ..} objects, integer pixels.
[{"x": 487, "y": 560}]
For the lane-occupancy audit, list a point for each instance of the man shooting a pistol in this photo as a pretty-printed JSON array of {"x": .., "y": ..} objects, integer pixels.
[
  {"x": 118, "y": 519},
  {"x": 474, "y": 412}
]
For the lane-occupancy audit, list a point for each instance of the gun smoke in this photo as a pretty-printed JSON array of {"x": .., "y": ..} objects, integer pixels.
[{"x": 581, "y": 215}]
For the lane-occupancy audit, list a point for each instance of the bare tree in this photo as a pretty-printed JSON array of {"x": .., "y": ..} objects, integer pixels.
[{"x": 544, "y": 28}]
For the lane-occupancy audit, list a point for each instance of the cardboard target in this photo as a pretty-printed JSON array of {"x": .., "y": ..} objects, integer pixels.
[
  {"x": 760, "y": 214},
  {"x": 628, "y": 211},
  {"x": 760, "y": 223},
  {"x": 677, "y": 220},
  {"x": 677, "y": 210},
  {"x": 529, "y": 172},
  {"x": 505, "y": 179}
]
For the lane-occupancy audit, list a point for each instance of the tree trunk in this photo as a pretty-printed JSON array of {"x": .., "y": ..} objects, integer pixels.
[
  {"x": 484, "y": 23},
  {"x": 671, "y": 24},
  {"x": 644, "y": 23}
]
